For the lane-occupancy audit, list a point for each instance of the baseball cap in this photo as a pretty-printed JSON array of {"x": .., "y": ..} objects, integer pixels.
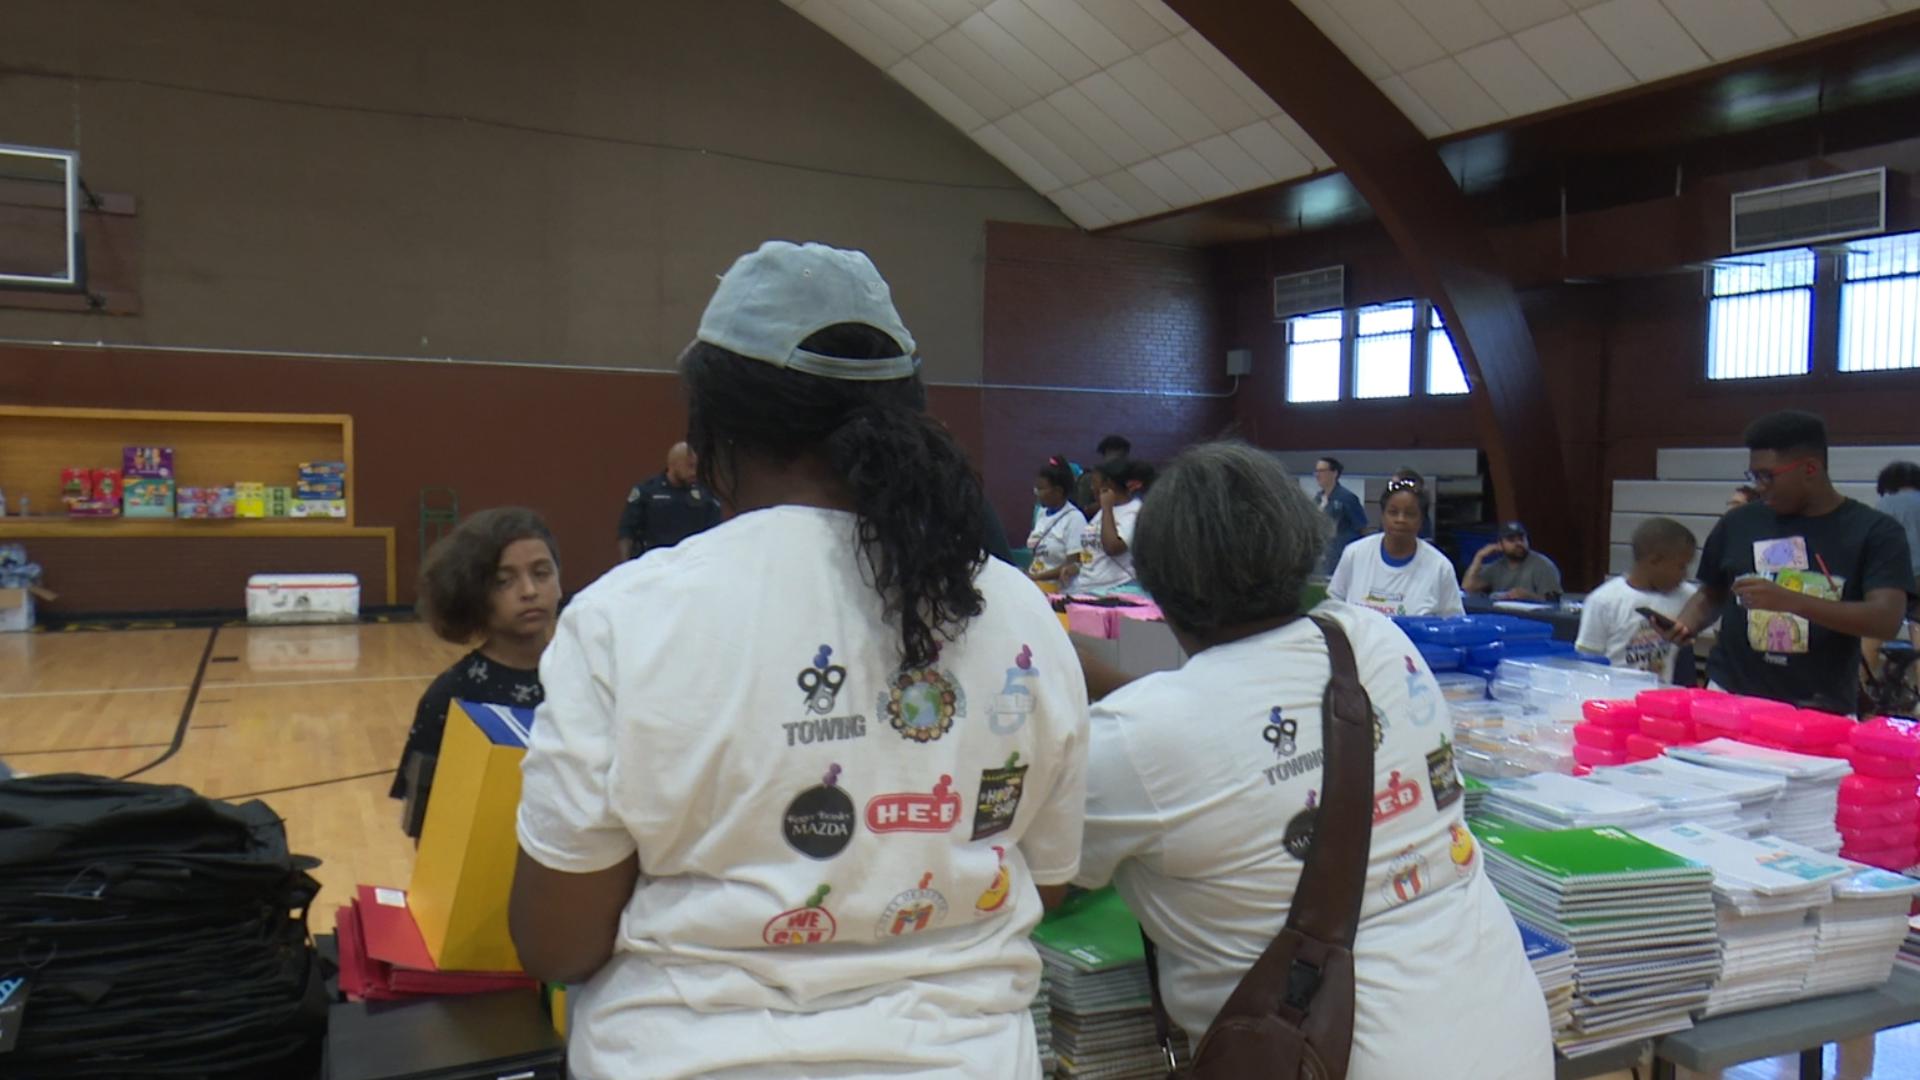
[
  {"x": 1512, "y": 529},
  {"x": 773, "y": 299}
]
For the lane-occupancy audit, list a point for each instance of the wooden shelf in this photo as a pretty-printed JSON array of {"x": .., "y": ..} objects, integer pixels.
[{"x": 19, "y": 528}]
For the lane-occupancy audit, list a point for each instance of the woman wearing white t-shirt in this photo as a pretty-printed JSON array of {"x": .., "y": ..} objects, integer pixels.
[
  {"x": 1057, "y": 523},
  {"x": 796, "y": 779},
  {"x": 1395, "y": 572},
  {"x": 1106, "y": 558},
  {"x": 1202, "y": 785}
]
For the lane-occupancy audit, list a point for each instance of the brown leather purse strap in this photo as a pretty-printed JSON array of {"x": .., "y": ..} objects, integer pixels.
[{"x": 1326, "y": 905}]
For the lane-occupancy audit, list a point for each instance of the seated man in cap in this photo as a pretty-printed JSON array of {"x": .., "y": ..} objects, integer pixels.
[{"x": 1509, "y": 569}]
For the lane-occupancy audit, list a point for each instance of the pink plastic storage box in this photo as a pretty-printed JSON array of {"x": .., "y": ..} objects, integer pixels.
[
  {"x": 1668, "y": 731},
  {"x": 1600, "y": 737},
  {"x": 1895, "y": 859},
  {"x": 1622, "y": 715},
  {"x": 1668, "y": 704},
  {"x": 1803, "y": 727},
  {"x": 1870, "y": 764},
  {"x": 1595, "y": 755},
  {"x": 1858, "y": 816},
  {"x": 1880, "y": 838},
  {"x": 1888, "y": 736},
  {"x": 1874, "y": 790},
  {"x": 1644, "y": 748}
]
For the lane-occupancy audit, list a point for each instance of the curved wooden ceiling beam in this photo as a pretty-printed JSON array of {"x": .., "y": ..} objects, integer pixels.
[{"x": 1445, "y": 245}]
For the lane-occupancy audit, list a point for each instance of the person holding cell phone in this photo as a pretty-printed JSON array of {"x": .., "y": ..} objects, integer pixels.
[
  {"x": 1798, "y": 578},
  {"x": 1627, "y": 620}
]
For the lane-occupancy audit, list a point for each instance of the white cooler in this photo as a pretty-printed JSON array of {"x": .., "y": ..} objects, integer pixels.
[{"x": 303, "y": 598}]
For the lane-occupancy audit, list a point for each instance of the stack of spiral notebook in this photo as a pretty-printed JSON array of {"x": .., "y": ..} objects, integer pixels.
[
  {"x": 1640, "y": 920},
  {"x": 1552, "y": 963},
  {"x": 1805, "y": 811},
  {"x": 1096, "y": 971},
  {"x": 1861, "y": 932}
]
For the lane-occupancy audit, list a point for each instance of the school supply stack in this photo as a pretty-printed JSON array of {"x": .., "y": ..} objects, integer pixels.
[
  {"x": 1909, "y": 956},
  {"x": 1682, "y": 799},
  {"x": 1879, "y": 816},
  {"x": 1043, "y": 1025},
  {"x": 384, "y": 957},
  {"x": 148, "y": 932},
  {"x": 1763, "y": 891},
  {"x": 1860, "y": 933},
  {"x": 1552, "y": 963},
  {"x": 1553, "y": 801},
  {"x": 1753, "y": 793},
  {"x": 1099, "y": 996},
  {"x": 1640, "y": 920},
  {"x": 1804, "y": 813}
]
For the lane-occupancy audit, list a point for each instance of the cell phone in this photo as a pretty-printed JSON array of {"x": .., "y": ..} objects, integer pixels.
[{"x": 1659, "y": 621}]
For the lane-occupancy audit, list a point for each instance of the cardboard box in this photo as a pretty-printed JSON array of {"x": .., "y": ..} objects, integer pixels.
[
  {"x": 76, "y": 483},
  {"x": 204, "y": 502},
  {"x": 318, "y": 508},
  {"x": 279, "y": 501},
  {"x": 464, "y": 870},
  {"x": 330, "y": 489},
  {"x": 106, "y": 485},
  {"x": 249, "y": 499},
  {"x": 153, "y": 462},
  {"x": 147, "y": 497},
  {"x": 321, "y": 470}
]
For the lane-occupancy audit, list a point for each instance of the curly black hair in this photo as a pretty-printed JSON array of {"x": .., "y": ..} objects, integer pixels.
[
  {"x": 918, "y": 500},
  {"x": 1898, "y": 476},
  {"x": 1058, "y": 473},
  {"x": 456, "y": 580}
]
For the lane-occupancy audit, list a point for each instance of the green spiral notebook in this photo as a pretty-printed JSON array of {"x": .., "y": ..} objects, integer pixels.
[
  {"x": 1582, "y": 860},
  {"x": 1093, "y": 931}
]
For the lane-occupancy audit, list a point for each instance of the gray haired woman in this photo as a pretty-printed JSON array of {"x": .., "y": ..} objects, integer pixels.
[{"x": 1202, "y": 786}]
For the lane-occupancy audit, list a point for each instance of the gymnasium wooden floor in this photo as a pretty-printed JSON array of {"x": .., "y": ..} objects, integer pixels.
[{"x": 311, "y": 720}]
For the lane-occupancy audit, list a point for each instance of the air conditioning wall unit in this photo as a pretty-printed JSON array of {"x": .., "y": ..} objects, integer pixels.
[
  {"x": 1304, "y": 293},
  {"x": 1830, "y": 208}
]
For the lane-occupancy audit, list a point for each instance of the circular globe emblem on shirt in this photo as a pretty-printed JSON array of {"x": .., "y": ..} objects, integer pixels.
[{"x": 922, "y": 705}]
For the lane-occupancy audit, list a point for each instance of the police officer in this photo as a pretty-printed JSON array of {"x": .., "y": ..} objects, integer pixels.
[{"x": 668, "y": 508}]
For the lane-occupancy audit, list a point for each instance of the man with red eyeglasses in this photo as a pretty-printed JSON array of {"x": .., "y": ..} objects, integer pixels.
[{"x": 1797, "y": 577}]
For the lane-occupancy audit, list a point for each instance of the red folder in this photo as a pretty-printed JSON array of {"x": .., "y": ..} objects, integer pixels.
[{"x": 396, "y": 961}]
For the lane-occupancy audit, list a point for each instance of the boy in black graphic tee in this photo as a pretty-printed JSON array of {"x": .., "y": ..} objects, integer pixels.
[{"x": 1799, "y": 577}]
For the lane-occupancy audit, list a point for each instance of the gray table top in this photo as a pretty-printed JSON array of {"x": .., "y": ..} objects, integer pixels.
[
  {"x": 1789, "y": 1029},
  {"x": 1602, "y": 1062}
]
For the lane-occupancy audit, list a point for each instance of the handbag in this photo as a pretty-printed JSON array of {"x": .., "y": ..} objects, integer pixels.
[{"x": 1291, "y": 1017}]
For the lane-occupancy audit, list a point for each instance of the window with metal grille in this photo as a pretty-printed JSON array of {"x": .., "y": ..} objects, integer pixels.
[
  {"x": 1383, "y": 350},
  {"x": 1880, "y": 304},
  {"x": 1313, "y": 356},
  {"x": 1760, "y": 318},
  {"x": 1445, "y": 373}
]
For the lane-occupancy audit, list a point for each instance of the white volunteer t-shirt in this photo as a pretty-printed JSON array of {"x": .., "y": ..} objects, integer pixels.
[
  {"x": 1099, "y": 570},
  {"x": 1425, "y": 585},
  {"x": 1056, "y": 537},
  {"x": 1200, "y": 786},
  {"x": 1610, "y": 626},
  {"x": 829, "y": 848}
]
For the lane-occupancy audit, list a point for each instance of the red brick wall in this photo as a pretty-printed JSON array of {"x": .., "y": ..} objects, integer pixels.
[{"x": 1140, "y": 322}]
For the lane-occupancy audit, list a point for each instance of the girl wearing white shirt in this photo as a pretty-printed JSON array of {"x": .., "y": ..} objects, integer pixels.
[
  {"x": 1057, "y": 523},
  {"x": 1203, "y": 784},
  {"x": 1395, "y": 572},
  {"x": 1106, "y": 561},
  {"x": 752, "y": 873}
]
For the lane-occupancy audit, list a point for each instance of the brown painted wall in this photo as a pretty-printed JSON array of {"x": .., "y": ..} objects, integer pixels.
[{"x": 554, "y": 182}]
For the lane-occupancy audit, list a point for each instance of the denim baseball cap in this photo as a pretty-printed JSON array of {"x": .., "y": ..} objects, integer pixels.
[{"x": 773, "y": 299}]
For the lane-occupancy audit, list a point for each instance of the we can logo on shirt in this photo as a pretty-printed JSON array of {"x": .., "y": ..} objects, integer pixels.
[{"x": 809, "y": 924}]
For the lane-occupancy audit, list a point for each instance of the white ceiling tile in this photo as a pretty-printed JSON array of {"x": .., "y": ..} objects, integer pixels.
[
  {"x": 1130, "y": 113},
  {"x": 1342, "y": 34},
  {"x": 978, "y": 96},
  {"x": 834, "y": 19},
  {"x": 1234, "y": 163},
  {"x": 936, "y": 95},
  {"x": 1203, "y": 178},
  {"x": 1103, "y": 200},
  {"x": 1574, "y": 58},
  {"x": 994, "y": 40},
  {"x": 1646, "y": 38},
  {"x": 954, "y": 12},
  {"x": 1903, "y": 5},
  {"x": 1037, "y": 34},
  {"x": 1400, "y": 41},
  {"x": 1077, "y": 208},
  {"x": 1810, "y": 17},
  {"x": 882, "y": 22},
  {"x": 1013, "y": 157},
  {"x": 1729, "y": 28},
  {"x": 1455, "y": 24},
  {"x": 1460, "y": 101},
  {"x": 917, "y": 14},
  {"x": 1167, "y": 16},
  {"x": 1198, "y": 84},
  {"x": 1520, "y": 14},
  {"x": 1231, "y": 74},
  {"x": 1303, "y": 142},
  {"x": 1075, "y": 143},
  {"x": 1129, "y": 22},
  {"x": 1165, "y": 102},
  {"x": 1583, "y": 4},
  {"x": 1430, "y": 123},
  {"x": 1042, "y": 149},
  {"x": 1514, "y": 81},
  {"x": 1090, "y": 119},
  {"x": 1079, "y": 26},
  {"x": 1163, "y": 183},
  {"x": 1280, "y": 158},
  {"x": 1137, "y": 195},
  {"x": 963, "y": 50}
]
